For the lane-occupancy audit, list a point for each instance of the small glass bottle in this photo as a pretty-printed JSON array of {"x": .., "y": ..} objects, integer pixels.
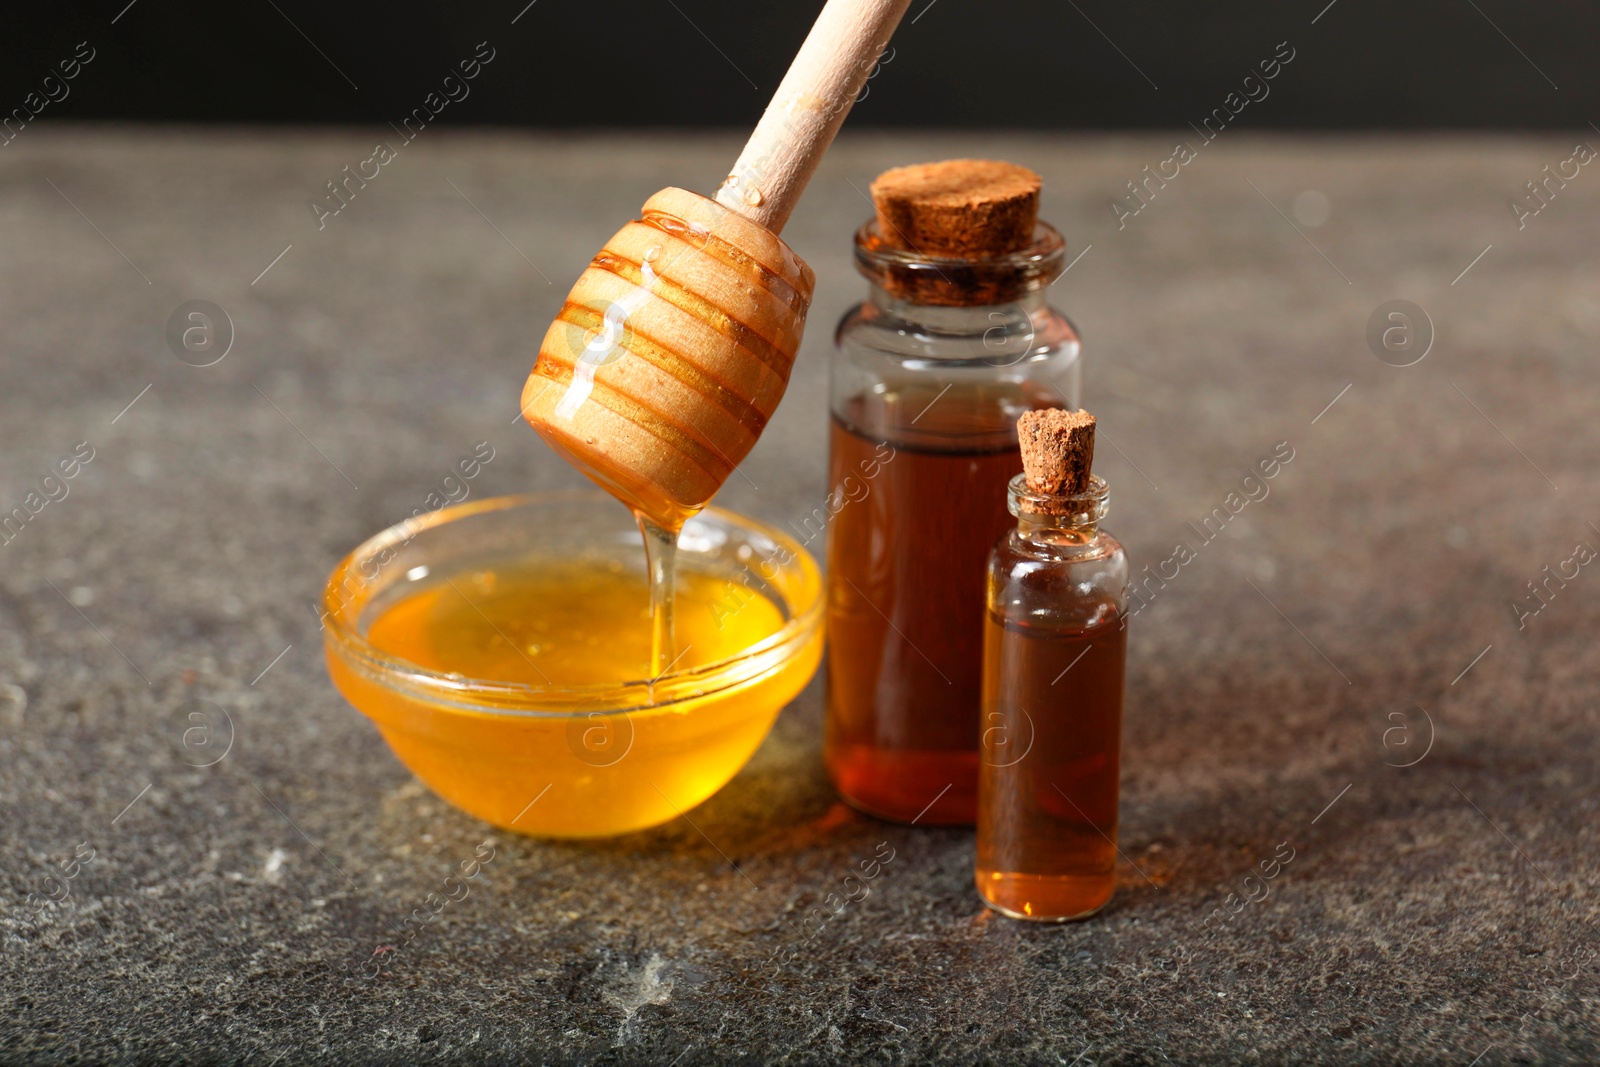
[
  {"x": 930, "y": 374},
  {"x": 1054, "y": 653}
]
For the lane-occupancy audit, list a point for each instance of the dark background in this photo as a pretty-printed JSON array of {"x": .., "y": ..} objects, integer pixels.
[{"x": 1363, "y": 64}]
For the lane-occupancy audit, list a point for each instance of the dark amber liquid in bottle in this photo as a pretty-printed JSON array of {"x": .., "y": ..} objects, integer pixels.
[
  {"x": 1047, "y": 808},
  {"x": 908, "y": 562}
]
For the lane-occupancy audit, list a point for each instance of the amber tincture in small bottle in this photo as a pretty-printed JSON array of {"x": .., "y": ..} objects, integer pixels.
[
  {"x": 1055, "y": 639},
  {"x": 954, "y": 341}
]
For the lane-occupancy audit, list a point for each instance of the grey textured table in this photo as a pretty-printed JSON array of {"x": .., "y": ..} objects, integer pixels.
[{"x": 1358, "y": 619}]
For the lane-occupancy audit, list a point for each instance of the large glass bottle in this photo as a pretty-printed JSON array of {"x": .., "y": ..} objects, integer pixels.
[
  {"x": 1055, "y": 642},
  {"x": 928, "y": 378}
]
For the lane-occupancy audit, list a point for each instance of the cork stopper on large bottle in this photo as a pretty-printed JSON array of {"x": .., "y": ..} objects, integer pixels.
[
  {"x": 958, "y": 208},
  {"x": 958, "y": 233},
  {"x": 1057, "y": 451}
]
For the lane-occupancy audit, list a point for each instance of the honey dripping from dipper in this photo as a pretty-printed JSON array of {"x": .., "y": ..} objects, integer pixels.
[
  {"x": 699, "y": 352},
  {"x": 665, "y": 363}
]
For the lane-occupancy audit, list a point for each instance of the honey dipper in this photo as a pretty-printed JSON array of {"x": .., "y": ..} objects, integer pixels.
[{"x": 674, "y": 346}]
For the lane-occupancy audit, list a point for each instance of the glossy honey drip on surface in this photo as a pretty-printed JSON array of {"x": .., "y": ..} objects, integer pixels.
[{"x": 566, "y": 623}]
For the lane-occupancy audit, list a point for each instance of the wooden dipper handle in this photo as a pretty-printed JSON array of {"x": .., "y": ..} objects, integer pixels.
[
  {"x": 808, "y": 109},
  {"x": 674, "y": 347}
]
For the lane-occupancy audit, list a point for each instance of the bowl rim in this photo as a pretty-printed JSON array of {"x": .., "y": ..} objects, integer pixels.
[{"x": 529, "y": 700}]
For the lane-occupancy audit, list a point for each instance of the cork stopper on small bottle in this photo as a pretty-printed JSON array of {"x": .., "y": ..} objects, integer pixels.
[
  {"x": 1057, "y": 451},
  {"x": 958, "y": 208}
]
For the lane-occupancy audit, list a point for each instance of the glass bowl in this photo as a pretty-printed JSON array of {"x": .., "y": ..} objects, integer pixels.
[{"x": 572, "y": 760}]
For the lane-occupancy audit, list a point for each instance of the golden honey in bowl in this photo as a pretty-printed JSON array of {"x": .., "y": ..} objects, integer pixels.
[
  {"x": 565, "y": 623},
  {"x": 515, "y": 681}
]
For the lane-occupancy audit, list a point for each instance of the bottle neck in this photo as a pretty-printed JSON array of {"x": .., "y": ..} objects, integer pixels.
[
  {"x": 958, "y": 282},
  {"x": 1055, "y": 529},
  {"x": 1063, "y": 520},
  {"x": 999, "y": 334},
  {"x": 953, "y": 318}
]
